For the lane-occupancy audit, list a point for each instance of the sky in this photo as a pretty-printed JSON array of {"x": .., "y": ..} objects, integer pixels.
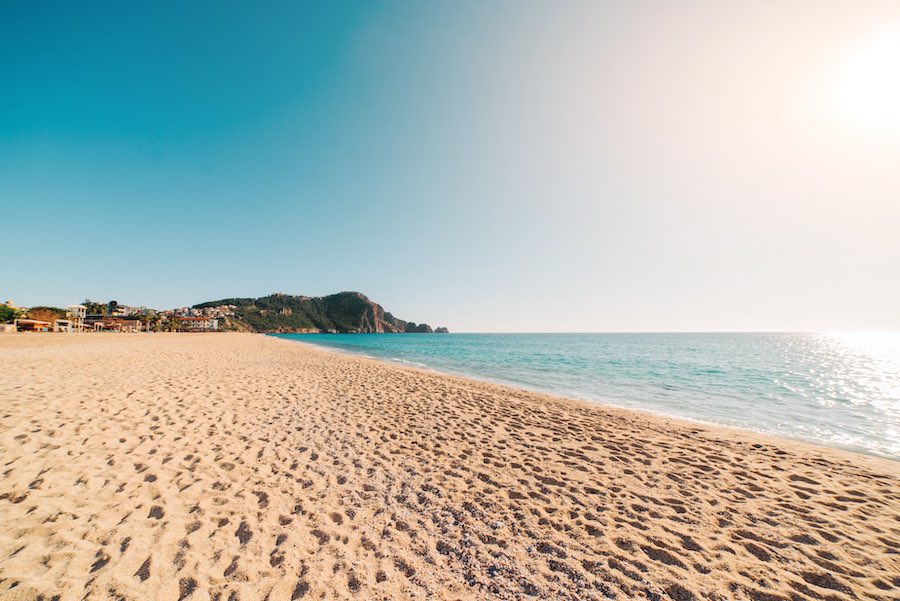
[{"x": 486, "y": 166}]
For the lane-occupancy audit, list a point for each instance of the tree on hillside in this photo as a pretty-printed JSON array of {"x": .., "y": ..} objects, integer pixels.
[
  {"x": 8, "y": 314},
  {"x": 145, "y": 319},
  {"x": 93, "y": 308},
  {"x": 46, "y": 313}
]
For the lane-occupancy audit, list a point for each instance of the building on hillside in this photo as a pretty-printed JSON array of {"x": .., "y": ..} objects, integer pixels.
[
  {"x": 127, "y": 311},
  {"x": 198, "y": 324}
]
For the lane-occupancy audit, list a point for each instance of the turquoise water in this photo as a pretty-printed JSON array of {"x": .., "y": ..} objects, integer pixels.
[{"x": 840, "y": 390}]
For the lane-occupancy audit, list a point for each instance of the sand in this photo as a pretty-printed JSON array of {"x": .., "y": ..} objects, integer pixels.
[{"x": 243, "y": 467}]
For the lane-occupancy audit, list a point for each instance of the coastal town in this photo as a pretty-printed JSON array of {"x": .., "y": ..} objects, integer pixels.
[
  {"x": 111, "y": 316},
  {"x": 342, "y": 312}
]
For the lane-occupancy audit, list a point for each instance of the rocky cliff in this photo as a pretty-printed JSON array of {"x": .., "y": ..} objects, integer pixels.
[{"x": 344, "y": 312}]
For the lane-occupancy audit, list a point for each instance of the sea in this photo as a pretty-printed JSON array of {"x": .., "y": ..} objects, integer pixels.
[{"x": 835, "y": 389}]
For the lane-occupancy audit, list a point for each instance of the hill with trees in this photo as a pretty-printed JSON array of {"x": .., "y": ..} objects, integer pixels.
[{"x": 344, "y": 312}]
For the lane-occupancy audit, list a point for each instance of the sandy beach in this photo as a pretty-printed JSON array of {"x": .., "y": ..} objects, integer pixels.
[{"x": 242, "y": 467}]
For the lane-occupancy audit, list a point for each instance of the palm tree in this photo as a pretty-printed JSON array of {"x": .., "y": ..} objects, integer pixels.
[{"x": 144, "y": 318}]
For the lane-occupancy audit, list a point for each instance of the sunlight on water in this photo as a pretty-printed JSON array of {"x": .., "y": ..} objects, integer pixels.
[
  {"x": 837, "y": 389},
  {"x": 867, "y": 372}
]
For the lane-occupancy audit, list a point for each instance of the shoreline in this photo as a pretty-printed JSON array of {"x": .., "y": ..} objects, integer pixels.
[
  {"x": 229, "y": 466},
  {"x": 603, "y": 405}
]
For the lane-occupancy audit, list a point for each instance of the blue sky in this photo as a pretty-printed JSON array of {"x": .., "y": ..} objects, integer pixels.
[{"x": 502, "y": 166}]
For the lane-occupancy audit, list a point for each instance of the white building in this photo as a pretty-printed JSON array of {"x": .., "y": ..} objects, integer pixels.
[
  {"x": 76, "y": 314},
  {"x": 198, "y": 324}
]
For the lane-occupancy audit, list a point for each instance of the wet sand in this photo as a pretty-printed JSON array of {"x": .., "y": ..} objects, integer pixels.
[{"x": 242, "y": 467}]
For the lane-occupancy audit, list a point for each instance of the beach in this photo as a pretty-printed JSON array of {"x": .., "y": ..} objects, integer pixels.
[{"x": 244, "y": 467}]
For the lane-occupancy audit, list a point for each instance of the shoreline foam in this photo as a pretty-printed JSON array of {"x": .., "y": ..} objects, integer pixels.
[{"x": 189, "y": 466}]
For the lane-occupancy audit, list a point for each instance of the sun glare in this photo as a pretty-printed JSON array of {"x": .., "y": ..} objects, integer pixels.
[{"x": 867, "y": 90}]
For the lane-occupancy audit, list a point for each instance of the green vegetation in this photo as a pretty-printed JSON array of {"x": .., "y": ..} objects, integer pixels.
[
  {"x": 7, "y": 314},
  {"x": 94, "y": 308},
  {"x": 342, "y": 312}
]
